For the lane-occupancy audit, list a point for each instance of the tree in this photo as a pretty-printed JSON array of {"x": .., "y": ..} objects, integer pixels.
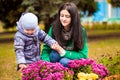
[
  {"x": 87, "y": 5},
  {"x": 114, "y": 3},
  {"x": 44, "y": 9},
  {"x": 9, "y": 12}
]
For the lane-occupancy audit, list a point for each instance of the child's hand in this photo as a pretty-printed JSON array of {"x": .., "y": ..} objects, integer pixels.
[
  {"x": 22, "y": 66},
  {"x": 54, "y": 46},
  {"x": 58, "y": 48}
]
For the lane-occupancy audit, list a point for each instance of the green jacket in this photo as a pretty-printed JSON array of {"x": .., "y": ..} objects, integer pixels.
[{"x": 69, "y": 53}]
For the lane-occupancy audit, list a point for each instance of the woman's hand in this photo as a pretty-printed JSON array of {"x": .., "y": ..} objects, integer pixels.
[{"x": 58, "y": 48}]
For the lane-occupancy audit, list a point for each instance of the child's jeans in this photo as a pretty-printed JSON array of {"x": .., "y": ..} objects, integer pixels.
[{"x": 55, "y": 57}]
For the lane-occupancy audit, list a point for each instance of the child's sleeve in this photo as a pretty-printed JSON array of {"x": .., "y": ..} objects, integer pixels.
[
  {"x": 19, "y": 48},
  {"x": 46, "y": 49},
  {"x": 45, "y": 38}
]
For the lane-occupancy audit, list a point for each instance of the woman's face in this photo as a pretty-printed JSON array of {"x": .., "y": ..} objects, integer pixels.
[{"x": 65, "y": 19}]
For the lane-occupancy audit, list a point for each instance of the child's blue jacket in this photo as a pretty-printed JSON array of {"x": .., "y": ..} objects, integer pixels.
[{"x": 27, "y": 47}]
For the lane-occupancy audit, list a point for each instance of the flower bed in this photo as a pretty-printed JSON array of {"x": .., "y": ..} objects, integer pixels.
[
  {"x": 42, "y": 70},
  {"x": 87, "y": 66}
]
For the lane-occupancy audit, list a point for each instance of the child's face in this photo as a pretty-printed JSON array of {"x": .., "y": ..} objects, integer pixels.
[{"x": 29, "y": 31}]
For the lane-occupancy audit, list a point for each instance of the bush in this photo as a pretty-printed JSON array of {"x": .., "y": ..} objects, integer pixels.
[
  {"x": 87, "y": 66},
  {"x": 112, "y": 63},
  {"x": 42, "y": 70},
  {"x": 103, "y": 26}
]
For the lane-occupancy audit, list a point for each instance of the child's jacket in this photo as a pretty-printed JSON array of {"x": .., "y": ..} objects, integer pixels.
[{"x": 27, "y": 47}]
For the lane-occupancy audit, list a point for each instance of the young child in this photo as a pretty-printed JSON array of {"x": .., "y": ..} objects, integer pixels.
[{"x": 27, "y": 40}]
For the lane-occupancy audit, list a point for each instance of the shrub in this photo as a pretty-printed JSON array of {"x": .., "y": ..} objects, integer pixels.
[
  {"x": 42, "y": 70},
  {"x": 87, "y": 66}
]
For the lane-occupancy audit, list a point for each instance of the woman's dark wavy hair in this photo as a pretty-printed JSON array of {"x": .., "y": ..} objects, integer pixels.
[{"x": 77, "y": 37}]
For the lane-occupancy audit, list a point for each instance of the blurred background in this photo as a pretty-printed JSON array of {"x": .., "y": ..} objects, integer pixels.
[{"x": 101, "y": 19}]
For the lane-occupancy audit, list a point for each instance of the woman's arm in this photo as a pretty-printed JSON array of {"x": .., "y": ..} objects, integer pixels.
[{"x": 77, "y": 55}]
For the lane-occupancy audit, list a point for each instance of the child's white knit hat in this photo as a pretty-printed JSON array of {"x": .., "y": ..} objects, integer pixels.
[{"x": 28, "y": 21}]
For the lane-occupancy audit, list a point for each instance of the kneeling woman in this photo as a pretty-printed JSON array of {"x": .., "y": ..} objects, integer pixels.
[{"x": 69, "y": 33}]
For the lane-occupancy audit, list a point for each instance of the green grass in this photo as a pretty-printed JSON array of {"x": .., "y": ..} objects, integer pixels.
[
  {"x": 8, "y": 62},
  {"x": 102, "y": 32},
  {"x": 9, "y": 35},
  {"x": 105, "y": 51},
  {"x": 104, "y": 47}
]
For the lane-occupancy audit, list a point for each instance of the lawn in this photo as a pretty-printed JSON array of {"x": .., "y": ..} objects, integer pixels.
[
  {"x": 105, "y": 51},
  {"x": 8, "y": 62}
]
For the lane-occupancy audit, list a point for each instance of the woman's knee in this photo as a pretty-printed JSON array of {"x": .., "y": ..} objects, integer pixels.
[
  {"x": 64, "y": 62},
  {"x": 54, "y": 56}
]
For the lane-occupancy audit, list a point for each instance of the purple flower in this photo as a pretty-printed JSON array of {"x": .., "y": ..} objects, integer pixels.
[
  {"x": 96, "y": 68},
  {"x": 42, "y": 70}
]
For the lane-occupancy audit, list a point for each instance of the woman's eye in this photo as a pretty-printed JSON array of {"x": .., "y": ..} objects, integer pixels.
[
  {"x": 67, "y": 16},
  {"x": 61, "y": 15}
]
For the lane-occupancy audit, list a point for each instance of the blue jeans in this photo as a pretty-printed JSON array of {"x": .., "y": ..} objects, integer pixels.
[{"x": 55, "y": 57}]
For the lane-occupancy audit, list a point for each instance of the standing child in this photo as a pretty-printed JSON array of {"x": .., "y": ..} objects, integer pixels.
[{"x": 27, "y": 40}]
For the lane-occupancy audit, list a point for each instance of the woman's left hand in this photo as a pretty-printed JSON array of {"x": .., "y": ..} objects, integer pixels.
[{"x": 58, "y": 48}]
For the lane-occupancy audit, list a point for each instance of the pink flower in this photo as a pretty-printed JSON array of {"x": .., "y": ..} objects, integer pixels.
[
  {"x": 96, "y": 68},
  {"x": 42, "y": 70}
]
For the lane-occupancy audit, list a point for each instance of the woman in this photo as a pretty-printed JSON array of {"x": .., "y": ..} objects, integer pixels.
[{"x": 69, "y": 33}]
